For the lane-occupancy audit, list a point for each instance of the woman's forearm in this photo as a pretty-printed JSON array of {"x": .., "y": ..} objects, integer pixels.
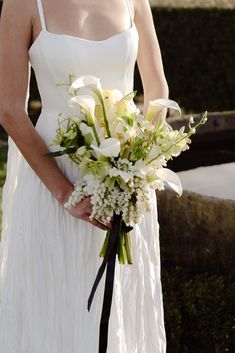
[
  {"x": 31, "y": 145},
  {"x": 154, "y": 91}
]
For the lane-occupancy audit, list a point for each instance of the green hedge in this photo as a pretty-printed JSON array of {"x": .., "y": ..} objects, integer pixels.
[
  {"x": 198, "y": 52},
  {"x": 199, "y": 312}
]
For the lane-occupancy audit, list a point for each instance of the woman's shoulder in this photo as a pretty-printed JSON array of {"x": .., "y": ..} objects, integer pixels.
[
  {"x": 16, "y": 22},
  {"x": 23, "y": 9},
  {"x": 139, "y": 5},
  {"x": 142, "y": 11}
]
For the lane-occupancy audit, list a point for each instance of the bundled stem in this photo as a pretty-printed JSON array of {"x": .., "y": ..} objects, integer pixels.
[{"x": 124, "y": 250}]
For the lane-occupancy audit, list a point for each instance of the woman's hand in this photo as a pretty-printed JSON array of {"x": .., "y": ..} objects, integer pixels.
[{"x": 83, "y": 211}]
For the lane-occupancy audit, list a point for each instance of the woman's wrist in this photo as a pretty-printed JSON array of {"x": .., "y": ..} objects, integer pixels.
[{"x": 64, "y": 193}]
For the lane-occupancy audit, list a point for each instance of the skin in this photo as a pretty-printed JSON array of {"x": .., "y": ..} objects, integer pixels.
[{"x": 20, "y": 26}]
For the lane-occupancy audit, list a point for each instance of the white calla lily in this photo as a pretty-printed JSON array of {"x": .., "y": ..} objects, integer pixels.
[
  {"x": 87, "y": 103},
  {"x": 85, "y": 129},
  {"x": 113, "y": 95},
  {"x": 87, "y": 81},
  {"x": 171, "y": 178},
  {"x": 92, "y": 83},
  {"x": 109, "y": 148},
  {"x": 88, "y": 133},
  {"x": 157, "y": 105}
]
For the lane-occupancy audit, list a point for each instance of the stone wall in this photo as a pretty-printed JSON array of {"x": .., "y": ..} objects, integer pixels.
[{"x": 197, "y": 232}]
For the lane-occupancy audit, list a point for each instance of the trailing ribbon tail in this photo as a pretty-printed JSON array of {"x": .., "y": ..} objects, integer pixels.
[{"x": 110, "y": 261}]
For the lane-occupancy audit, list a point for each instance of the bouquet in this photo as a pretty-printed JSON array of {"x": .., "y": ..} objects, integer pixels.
[{"x": 122, "y": 157}]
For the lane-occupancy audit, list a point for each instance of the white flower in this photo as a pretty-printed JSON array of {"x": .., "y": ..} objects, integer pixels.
[
  {"x": 87, "y": 133},
  {"x": 87, "y": 103},
  {"x": 193, "y": 130},
  {"x": 113, "y": 95},
  {"x": 155, "y": 151},
  {"x": 73, "y": 118},
  {"x": 81, "y": 151},
  {"x": 126, "y": 176},
  {"x": 159, "y": 162},
  {"x": 157, "y": 105},
  {"x": 87, "y": 82},
  {"x": 191, "y": 120},
  {"x": 141, "y": 169},
  {"x": 171, "y": 178},
  {"x": 91, "y": 183},
  {"x": 108, "y": 148}
]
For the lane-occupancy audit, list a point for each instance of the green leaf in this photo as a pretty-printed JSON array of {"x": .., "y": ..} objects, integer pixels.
[
  {"x": 55, "y": 154},
  {"x": 130, "y": 95},
  {"x": 88, "y": 139},
  {"x": 129, "y": 120},
  {"x": 80, "y": 138},
  {"x": 110, "y": 182}
]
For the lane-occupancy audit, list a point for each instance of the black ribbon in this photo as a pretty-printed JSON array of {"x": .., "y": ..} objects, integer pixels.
[{"x": 110, "y": 261}]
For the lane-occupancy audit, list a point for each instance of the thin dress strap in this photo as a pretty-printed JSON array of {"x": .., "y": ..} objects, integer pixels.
[
  {"x": 130, "y": 11},
  {"x": 41, "y": 14}
]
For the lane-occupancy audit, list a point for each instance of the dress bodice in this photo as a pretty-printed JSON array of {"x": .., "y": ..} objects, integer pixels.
[{"x": 55, "y": 56}]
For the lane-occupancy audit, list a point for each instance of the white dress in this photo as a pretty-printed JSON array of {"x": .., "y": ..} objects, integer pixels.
[{"x": 49, "y": 259}]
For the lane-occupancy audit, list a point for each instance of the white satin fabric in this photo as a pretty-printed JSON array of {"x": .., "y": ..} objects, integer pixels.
[{"x": 49, "y": 259}]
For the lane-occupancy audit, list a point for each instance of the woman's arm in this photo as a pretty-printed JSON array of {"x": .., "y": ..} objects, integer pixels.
[
  {"x": 15, "y": 37},
  {"x": 149, "y": 55}
]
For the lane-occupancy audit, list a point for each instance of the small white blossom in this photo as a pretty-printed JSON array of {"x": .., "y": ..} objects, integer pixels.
[{"x": 191, "y": 120}]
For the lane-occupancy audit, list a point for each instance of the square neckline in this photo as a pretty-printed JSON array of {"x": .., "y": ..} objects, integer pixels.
[
  {"x": 44, "y": 28},
  {"x": 63, "y": 35},
  {"x": 87, "y": 39}
]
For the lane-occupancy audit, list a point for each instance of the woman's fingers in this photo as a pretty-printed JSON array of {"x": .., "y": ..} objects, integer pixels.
[
  {"x": 97, "y": 223},
  {"x": 88, "y": 210},
  {"x": 87, "y": 204},
  {"x": 83, "y": 210}
]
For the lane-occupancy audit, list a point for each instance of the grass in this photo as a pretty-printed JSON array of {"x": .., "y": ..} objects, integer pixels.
[{"x": 223, "y": 4}]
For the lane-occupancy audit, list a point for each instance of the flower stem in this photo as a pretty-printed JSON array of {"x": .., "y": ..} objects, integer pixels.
[
  {"x": 128, "y": 248},
  {"x": 105, "y": 118},
  {"x": 202, "y": 121},
  {"x": 105, "y": 244},
  {"x": 122, "y": 256},
  {"x": 95, "y": 134}
]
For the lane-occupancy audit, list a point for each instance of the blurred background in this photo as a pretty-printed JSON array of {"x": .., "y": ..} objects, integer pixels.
[{"x": 197, "y": 230}]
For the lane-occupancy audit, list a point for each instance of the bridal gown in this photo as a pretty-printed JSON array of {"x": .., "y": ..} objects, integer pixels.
[{"x": 48, "y": 258}]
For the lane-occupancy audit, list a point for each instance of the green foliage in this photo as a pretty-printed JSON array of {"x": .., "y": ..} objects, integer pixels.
[
  {"x": 3, "y": 164},
  {"x": 199, "y": 312},
  {"x": 198, "y": 54}
]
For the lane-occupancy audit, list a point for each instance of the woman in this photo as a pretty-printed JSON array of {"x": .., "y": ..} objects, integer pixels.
[{"x": 49, "y": 254}]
